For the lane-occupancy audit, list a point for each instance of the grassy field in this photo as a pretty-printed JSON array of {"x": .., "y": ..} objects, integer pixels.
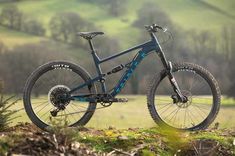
[
  {"x": 188, "y": 15},
  {"x": 135, "y": 114}
]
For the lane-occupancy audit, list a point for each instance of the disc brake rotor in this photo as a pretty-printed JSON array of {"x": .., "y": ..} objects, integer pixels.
[
  {"x": 188, "y": 95},
  {"x": 57, "y": 96}
]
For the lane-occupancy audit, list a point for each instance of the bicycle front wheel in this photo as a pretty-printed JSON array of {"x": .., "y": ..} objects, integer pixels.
[{"x": 201, "y": 90}]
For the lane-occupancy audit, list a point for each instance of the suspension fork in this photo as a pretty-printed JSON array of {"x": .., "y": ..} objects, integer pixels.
[{"x": 168, "y": 66}]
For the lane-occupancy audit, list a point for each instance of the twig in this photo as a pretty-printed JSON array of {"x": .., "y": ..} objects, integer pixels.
[
  {"x": 122, "y": 152},
  {"x": 110, "y": 153},
  {"x": 135, "y": 150},
  {"x": 213, "y": 149},
  {"x": 55, "y": 141},
  {"x": 195, "y": 149}
]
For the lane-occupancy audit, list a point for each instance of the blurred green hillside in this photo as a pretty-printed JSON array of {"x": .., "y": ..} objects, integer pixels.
[
  {"x": 187, "y": 14},
  {"x": 203, "y": 33}
]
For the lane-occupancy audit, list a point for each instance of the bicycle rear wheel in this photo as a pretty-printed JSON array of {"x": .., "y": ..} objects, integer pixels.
[
  {"x": 201, "y": 90},
  {"x": 46, "y": 84}
]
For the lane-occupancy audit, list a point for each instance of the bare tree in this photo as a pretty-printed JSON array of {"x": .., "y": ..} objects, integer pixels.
[
  {"x": 18, "y": 63},
  {"x": 150, "y": 13},
  {"x": 226, "y": 42},
  {"x": 2, "y": 47},
  {"x": 64, "y": 26},
  {"x": 117, "y": 7},
  {"x": 203, "y": 41},
  {"x": 34, "y": 27},
  {"x": 228, "y": 38},
  {"x": 11, "y": 17}
]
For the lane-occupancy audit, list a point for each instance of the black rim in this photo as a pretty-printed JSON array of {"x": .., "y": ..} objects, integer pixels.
[
  {"x": 184, "y": 115},
  {"x": 50, "y": 81}
]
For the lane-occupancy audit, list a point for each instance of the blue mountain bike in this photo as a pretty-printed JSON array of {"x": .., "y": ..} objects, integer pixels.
[{"x": 183, "y": 96}]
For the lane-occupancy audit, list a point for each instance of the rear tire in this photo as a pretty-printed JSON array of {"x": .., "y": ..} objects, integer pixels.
[
  {"x": 33, "y": 87},
  {"x": 155, "y": 105}
]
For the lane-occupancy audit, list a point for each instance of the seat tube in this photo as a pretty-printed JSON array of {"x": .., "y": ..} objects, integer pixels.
[{"x": 97, "y": 65}]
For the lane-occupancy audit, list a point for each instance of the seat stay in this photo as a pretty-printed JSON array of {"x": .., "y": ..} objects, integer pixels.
[{"x": 88, "y": 83}]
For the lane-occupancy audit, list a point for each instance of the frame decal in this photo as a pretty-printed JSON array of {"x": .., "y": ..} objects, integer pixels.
[{"x": 145, "y": 49}]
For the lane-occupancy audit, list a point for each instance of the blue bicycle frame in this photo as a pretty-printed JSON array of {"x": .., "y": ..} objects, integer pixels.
[{"x": 145, "y": 49}]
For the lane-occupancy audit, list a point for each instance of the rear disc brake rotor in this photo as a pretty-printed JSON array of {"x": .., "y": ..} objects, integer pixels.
[{"x": 57, "y": 96}]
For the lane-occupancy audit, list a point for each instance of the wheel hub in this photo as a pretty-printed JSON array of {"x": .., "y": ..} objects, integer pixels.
[
  {"x": 186, "y": 103},
  {"x": 58, "y": 96}
]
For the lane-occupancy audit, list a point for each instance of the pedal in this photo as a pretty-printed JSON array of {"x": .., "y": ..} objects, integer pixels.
[{"x": 122, "y": 100}]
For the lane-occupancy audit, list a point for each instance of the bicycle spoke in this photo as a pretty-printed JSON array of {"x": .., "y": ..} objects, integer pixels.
[
  {"x": 174, "y": 111},
  {"x": 175, "y": 116},
  {"x": 191, "y": 112},
  {"x": 193, "y": 123},
  {"x": 46, "y": 112},
  {"x": 77, "y": 105},
  {"x": 166, "y": 109},
  {"x": 191, "y": 85},
  {"x": 41, "y": 109},
  {"x": 186, "y": 114},
  {"x": 75, "y": 111},
  {"x": 72, "y": 115},
  {"x": 200, "y": 109},
  {"x": 41, "y": 104},
  {"x": 163, "y": 100},
  {"x": 202, "y": 106},
  {"x": 57, "y": 82}
]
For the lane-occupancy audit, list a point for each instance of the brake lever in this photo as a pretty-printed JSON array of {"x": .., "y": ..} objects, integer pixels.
[
  {"x": 164, "y": 29},
  {"x": 157, "y": 26}
]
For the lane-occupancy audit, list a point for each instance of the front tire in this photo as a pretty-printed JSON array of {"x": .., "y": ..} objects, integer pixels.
[
  {"x": 198, "y": 85},
  {"x": 50, "y": 79}
]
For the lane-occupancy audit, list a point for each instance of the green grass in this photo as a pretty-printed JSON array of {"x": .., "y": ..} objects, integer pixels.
[
  {"x": 193, "y": 15},
  {"x": 12, "y": 38},
  {"x": 225, "y": 5},
  {"x": 135, "y": 114},
  {"x": 227, "y": 101}
]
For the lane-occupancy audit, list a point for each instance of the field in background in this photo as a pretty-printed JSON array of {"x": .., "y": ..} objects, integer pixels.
[
  {"x": 135, "y": 114},
  {"x": 190, "y": 14}
]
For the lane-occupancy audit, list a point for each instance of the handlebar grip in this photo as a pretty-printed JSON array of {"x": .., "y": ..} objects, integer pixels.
[
  {"x": 157, "y": 26},
  {"x": 153, "y": 27}
]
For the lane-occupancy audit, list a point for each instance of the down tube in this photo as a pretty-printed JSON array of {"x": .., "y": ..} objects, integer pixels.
[{"x": 117, "y": 89}]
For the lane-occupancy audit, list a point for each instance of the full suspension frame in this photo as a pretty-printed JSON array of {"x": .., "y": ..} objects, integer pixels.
[{"x": 144, "y": 49}]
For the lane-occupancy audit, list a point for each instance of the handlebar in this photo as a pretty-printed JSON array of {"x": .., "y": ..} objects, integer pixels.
[{"x": 154, "y": 28}]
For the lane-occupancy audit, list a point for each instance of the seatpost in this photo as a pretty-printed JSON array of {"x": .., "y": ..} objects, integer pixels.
[{"x": 91, "y": 45}]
